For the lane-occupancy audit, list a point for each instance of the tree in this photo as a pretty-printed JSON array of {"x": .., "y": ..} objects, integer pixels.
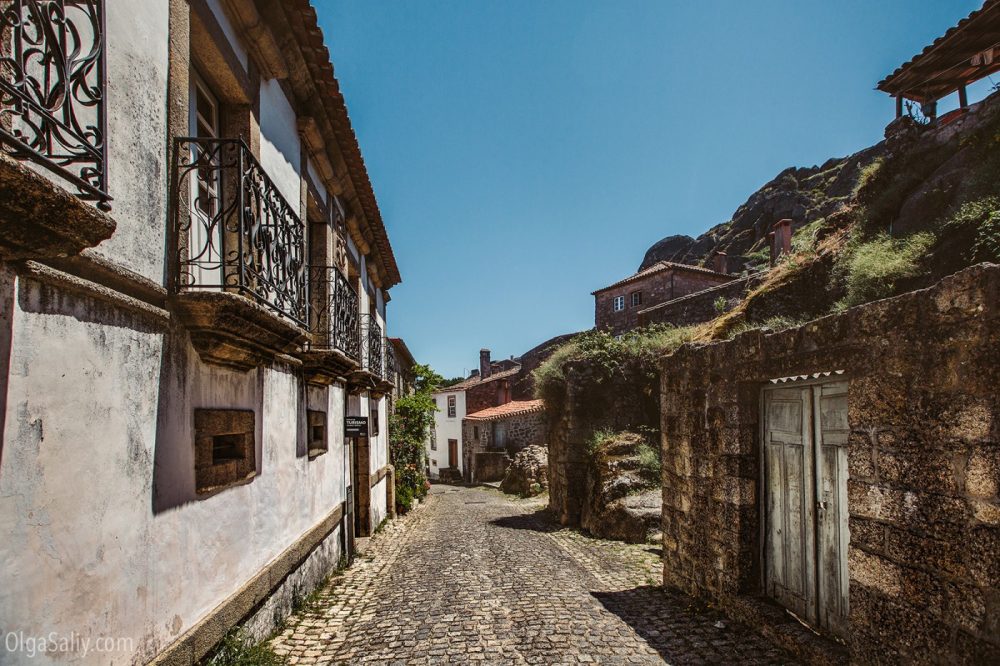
[{"x": 409, "y": 429}]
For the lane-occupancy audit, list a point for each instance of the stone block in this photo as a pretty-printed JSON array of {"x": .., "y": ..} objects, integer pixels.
[{"x": 982, "y": 474}]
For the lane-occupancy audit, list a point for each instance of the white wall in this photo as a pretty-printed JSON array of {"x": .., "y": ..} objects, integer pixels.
[
  {"x": 137, "y": 57},
  {"x": 88, "y": 546},
  {"x": 446, "y": 428},
  {"x": 280, "y": 145}
]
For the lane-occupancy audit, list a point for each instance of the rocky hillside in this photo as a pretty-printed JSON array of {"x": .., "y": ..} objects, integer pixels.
[{"x": 917, "y": 179}]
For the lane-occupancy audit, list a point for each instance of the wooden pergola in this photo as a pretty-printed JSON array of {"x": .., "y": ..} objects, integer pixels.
[{"x": 966, "y": 53}]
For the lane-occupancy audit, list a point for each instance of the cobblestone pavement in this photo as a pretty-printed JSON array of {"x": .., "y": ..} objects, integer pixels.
[{"x": 476, "y": 576}]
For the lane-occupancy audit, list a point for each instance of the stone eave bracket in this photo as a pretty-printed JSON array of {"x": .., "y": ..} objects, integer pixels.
[
  {"x": 230, "y": 330},
  {"x": 40, "y": 219}
]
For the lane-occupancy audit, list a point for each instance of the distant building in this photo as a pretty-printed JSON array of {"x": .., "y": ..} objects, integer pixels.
[
  {"x": 617, "y": 306},
  {"x": 489, "y": 386}
]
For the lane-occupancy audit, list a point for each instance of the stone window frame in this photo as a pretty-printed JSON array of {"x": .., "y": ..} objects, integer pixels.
[
  {"x": 452, "y": 406},
  {"x": 618, "y": 303},
  {"x": 317, "y": 446},
  {"x": 225, "y": 449},
  {"x": 636, "y": 298}
]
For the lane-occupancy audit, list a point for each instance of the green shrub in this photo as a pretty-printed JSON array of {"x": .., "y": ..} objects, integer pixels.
[
  {"x": 982, "y": 218},
  {"x": 719, "y": 304},
  {"x": 409, "y": 428},
  {"x": 872, "y": 270},
  {"x": 597, "y": 438},
  {"x": 804, "y": 239},
  {"x": 649, "y": 460},
  {"x": 615, "y": 367},
  {"x": 868, "y": 173},
  {"x": 239, "y": 649}
]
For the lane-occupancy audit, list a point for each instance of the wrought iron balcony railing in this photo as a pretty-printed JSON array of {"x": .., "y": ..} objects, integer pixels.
[
  {"x": 237, "y": 232},
  {"x": 390, "y": 361},
  {"x": 334, "y": 306},
  {"x": 52, "y": 90},
  {"x": 373, "y": 361}
]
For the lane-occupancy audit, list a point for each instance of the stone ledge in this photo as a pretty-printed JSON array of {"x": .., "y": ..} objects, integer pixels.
[
  {"x": 230, "y": 330},
  {"x": 39, "y": 218},
  {"x": 327, "y": 366},
  {"x": 197, "y": 641},
  {"x": 71, "y": 283}
]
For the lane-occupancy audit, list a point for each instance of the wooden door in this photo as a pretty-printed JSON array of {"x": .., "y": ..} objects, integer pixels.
[
  {"x": 805, "y": 480},
  {"x": 453, "y": 453},
  {"x": 831, "y": 431},
  {"x": 790, "y": 536}
]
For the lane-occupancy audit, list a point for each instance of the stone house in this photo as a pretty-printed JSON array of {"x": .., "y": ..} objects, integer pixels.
[
  {"x": 193, "y": 295},
  {"x": 401, "y": 362},
  {"x": 617, "y": 306},
  {"x": 493, "y": 436},
  {"x": 848, "y": 471}
]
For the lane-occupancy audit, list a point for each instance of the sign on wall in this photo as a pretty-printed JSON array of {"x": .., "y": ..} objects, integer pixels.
[{"x": 356, "y": 426}]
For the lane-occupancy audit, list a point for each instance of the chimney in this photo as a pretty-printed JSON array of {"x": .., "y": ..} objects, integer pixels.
[
  {"x": 485, "y": 368},
  {"x": 781, "y": 239},
  {"x": 720, "y": 263}
]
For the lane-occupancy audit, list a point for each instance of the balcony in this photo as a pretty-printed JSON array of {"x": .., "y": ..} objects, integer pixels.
[
  {"x": 53, "y": 124},
  {"x": 239, "y": 273},
  {"x": 334, "y": 347}
]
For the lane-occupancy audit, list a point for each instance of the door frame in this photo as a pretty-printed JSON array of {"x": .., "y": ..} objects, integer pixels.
[
  {"x": 810, "y": 382},
  {"x": 453, "y": 459}
]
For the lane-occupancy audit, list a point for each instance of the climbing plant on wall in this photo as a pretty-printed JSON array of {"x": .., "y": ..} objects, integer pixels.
[{"x": 409, "y": 429}]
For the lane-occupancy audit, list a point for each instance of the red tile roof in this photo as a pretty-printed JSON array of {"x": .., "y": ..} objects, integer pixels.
[
  {"x": 477, "y": 380},
  {"x": 945, "y": 64},
  {"x": 514, "y": 408},
  {"x": 659, "y": 267},
  {"x": 320, "y": 66}
]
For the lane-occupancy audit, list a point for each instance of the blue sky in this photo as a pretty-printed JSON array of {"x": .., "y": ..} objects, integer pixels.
[{"x": 527, "y": 152}]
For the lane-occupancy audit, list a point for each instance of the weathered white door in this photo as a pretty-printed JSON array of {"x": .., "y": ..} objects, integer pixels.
[{"x": 805, "y": 480}]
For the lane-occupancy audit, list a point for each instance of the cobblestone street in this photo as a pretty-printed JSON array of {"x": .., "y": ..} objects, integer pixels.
[{"x": 474, "y": 575}]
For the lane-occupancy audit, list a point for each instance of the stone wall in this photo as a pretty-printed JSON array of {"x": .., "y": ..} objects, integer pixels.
[
  {"x": 700, "y": 306},
  {"x": 490, "y": 466},
  {"x": 923, "y": 467},
  {"x": 590, "y": 403}
]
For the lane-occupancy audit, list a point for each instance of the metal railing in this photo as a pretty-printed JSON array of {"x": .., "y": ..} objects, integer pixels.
[
  {"x": 334, "y": 312},
  {"x": 390, "y": 361},
  {"x": 371, "y": 332},
  {"x": 236, "y": 231},
  {"x": 53, "y": 81}
]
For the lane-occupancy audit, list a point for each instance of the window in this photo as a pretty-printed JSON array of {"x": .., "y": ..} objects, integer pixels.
[
  {"x": 636, "y": 299},
  {"x": 451, "y": 407},
  {"x": 475, "y": 432},
  {"x": 225, "y": 453},
  {"x": 619, "y": 303},
  {"x": 316, "y": 433},
  {"x": 434, "y": 441}
]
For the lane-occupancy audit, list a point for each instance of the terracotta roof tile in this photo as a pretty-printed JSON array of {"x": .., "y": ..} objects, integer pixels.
[
  {"x": 476, "y": 381},
  {"x": 321, "y": 68},
  {"x": 889, "y": 83},
  {"x": 514, "y": 408},
  {"x": 659, "y": 267}
]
